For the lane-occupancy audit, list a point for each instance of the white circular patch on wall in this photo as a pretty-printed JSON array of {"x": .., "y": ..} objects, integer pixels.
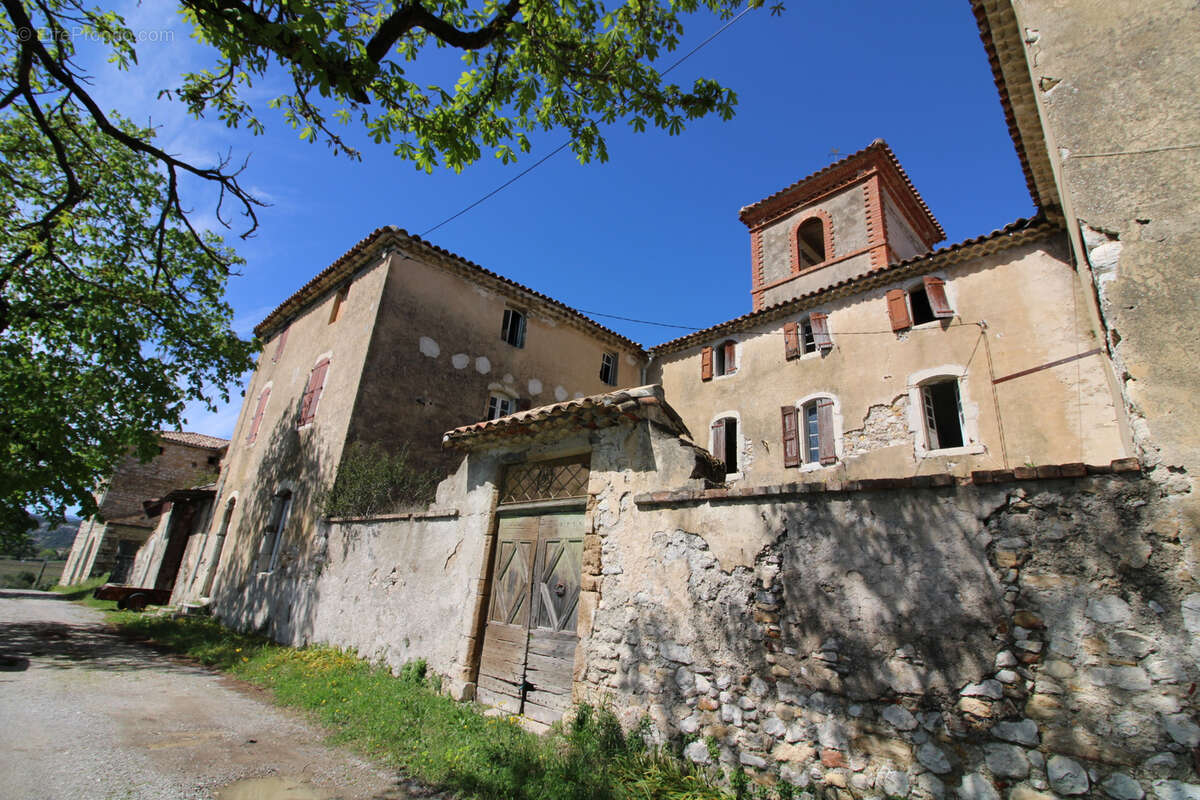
[
  {"x": 579, "y": 395},
  {"x": 535, "y": 386},
  {"x": 482, "y": 365},
  {"x": 630, "y": 360},
  {"x": 560, "y": 393},
  {"x": 460, "y": 360},
  {"x": 429, "y": 347},
  {"x": 508, "y": 378}
]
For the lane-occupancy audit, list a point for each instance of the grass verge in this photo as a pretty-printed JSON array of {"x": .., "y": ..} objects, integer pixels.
[
  {"x": 82, "y": 593},
  {"x": 408, "y": 724}
]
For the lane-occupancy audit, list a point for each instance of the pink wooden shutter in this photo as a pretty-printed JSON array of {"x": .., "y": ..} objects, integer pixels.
[
  {"x": 279, "y": 347},
  {"x": 706, "y": 359},
  {"x": 312, "y": 393},
  {"x": 791, "y": 437},
  {"x": 820, "y": 329},
  {"x": 258, "y": 415},
  {"x": 718, "y": 439},
  {"x": 897, "y": 303},
  {"x": 730, "y": 357},
  {"x": 825, "y": 447},
  {"x": 935, "y": 290},
  {"x": 791, "y": 340}
]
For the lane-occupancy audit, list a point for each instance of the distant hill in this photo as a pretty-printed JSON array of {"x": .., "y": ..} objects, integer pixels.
[{"x": 57, "y": 537}]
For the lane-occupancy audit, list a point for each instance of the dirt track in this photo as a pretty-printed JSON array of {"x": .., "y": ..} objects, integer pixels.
[{"x": 85, "y": 713}]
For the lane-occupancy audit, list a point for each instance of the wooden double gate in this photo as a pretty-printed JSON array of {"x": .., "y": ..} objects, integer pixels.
[{"x": 528, "y": 657}]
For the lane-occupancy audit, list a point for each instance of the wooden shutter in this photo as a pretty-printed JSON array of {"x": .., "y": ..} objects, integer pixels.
[
  {"x": 935, "y": 290},
  {"x": 718, "y": 439},
  {"x": 791, "y": 340},
  {"x": 706, "y": 359},
  {"x": 820, "y": 329},
  {"x": 258, "y": 415},
  {"x": 791, "y": 437},
  {"x": 825, "y": 438},
  {"x": 897, "y": 303},
  {"x": 279, "y": 346},
  {"x": 312, "y": 392},
  {"x": 730, "y": 357}
]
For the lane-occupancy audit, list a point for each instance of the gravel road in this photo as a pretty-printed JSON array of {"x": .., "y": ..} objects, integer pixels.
[{"x": 86, "y": 714}]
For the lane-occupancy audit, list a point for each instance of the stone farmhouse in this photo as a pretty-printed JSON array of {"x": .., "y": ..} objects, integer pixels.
[
  {"x": 921, "y": 523},
  {"x": 110, "y": 541}
]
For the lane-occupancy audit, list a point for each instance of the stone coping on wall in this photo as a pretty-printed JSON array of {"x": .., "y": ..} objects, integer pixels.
[
  {"x": 938, "y": 480},
  {"x": 429, "y": 513}
]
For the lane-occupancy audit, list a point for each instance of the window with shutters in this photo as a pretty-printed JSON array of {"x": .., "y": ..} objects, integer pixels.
[
  {"x": 339, "y": 300},
  {"x": 608, "y": 368},
  {"x": 312, "y": 392},
  {"x": 259, "y": 410},
  {"x": 810, "y": 436},
  {"x": 499, "y": 405},
  {"x": 512, "y": 327},
  {"x": 808, "y": 336},
  {"x": 268, "y": 551},
  {"x": 725, "y": 442},
  {"x": 918, "y": 304},
  {"x": 280, "y": 344}
]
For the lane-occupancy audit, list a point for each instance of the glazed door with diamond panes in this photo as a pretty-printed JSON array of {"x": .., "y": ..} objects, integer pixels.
[{"x": 528, "y": 655}]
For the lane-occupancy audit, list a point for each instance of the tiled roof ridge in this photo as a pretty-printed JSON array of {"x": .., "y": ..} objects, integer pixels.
[
  {"x": 1035, "y": 225},
  {"x": 634, "y": 402},
  {"x": 987, "y": 36},
  {"x": 195, "y": 439},
  {"x": 309, "y": 289},
  {"x": 878, "y": 145}
]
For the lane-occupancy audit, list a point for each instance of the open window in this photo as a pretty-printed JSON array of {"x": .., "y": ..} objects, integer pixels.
[
  {"x": 810, "y": 243},
  {"x": 608, "y": 368},
  {"x": 512, "y": 327},
  {"x": 268, "y": 552},
  {"x": 941, "y": 406},
  {"x": 339, "y": 300},
  {"x": 808, "y": 433},
  {"x": 719, "y": 360},
  {"x": 725, "y": 443},
  {"x": 809, "y": 335},
  {"x": 920, "y": 303}
]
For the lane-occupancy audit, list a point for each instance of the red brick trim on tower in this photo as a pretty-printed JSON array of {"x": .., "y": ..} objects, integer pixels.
[
  {"x": 876, "y": 223},
  {"x": 794, "y": 246},
  {"x": 757, "y": 277}
]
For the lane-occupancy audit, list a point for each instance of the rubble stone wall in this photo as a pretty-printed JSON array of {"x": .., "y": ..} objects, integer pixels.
[{"x": 1025, "y": 639}]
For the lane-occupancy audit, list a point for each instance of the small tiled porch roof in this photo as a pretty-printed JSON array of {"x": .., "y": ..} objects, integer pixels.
[
  {"x": 586, "y": 413},
  {"x": 194, "y": 439}
]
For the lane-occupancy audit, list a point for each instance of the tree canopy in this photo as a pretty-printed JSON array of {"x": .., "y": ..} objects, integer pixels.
[{"x": 111, "y": 300}]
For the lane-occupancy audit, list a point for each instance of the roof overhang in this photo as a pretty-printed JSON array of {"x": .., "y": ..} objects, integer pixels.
[
  {"x": 154, "y": 508},
  {"x": 622, "y": 407}
]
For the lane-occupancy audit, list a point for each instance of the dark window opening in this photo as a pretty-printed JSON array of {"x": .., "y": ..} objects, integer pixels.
[
  {"x": 726, "y": 358},
  {"x": 608, "y": 369},
  {"x": 512, "y": 329},
  {"x": 268, "y": 553},
  {"x": 808, "y": 340},
  {"x": 810, "y": 243},
  {"x": 922, "y": 311},
  {"x": 943, "y": 415}
]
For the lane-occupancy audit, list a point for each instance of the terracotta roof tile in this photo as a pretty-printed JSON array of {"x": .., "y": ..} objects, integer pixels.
[
  {"x": 1035, "y": 226},
  {"x": 597, "y": 411},
  {"x": 194, "y": 439},
  {"x": 323, "y": 280},
  {"x": 877, "y": 146}
]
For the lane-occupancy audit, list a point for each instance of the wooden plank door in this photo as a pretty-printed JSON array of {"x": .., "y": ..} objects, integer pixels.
[
  {"x": 506, "y": 635},
  {"x": 550, "y": 662}
]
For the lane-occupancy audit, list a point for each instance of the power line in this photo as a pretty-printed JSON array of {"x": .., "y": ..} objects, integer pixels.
[
  {"x": 694, "y": 328},
  {"x": 567, "y": 143}
]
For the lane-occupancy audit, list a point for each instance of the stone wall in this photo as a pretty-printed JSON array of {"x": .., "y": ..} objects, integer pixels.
[{"x": 1020, "y": 639}]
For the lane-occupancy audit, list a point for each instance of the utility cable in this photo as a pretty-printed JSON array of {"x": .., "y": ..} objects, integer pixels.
[{"x": 566, "y": 144}]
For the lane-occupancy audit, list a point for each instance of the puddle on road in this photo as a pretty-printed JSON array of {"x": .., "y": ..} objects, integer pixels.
[{"x": 271, "y": 789}]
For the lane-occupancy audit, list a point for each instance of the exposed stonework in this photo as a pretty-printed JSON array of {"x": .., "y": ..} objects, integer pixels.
[{"x": 884, "y": 426}]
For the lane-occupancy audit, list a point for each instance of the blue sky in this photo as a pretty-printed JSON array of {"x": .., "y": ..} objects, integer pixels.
[{"x": 653, "y": 234}]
